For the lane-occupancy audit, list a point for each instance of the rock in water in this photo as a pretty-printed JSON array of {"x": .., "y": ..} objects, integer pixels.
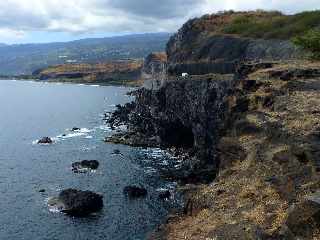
[
  {"x": 78, "y": 203},
  {"x": 135, "y": 192},
  {"x": 116, "y": 152},
  {"x": 45, "y": 140},
  {"x": 85, "y": 166},
  {"x": 75, "y": 129}
]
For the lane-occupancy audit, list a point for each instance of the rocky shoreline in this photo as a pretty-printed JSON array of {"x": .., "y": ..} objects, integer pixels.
[{"x": 245, "y": 122}]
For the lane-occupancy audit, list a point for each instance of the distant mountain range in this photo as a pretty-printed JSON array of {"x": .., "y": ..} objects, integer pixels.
[{"x": 27, "y": 58}]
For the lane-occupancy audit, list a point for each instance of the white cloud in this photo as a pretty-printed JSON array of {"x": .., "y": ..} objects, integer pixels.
[
  {"x": 287, "y": 6},
  {"x": 79, "y": 16}
]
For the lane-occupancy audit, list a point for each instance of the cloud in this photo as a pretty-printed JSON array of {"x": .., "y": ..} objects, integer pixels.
[
  {"x": 121, "y": 16},
  {"x": 287, "y": 6}
]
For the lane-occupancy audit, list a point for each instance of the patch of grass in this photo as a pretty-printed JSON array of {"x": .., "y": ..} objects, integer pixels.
[
  {"x": 273, "y": 25},
  {"x": 310, "y": 42}
]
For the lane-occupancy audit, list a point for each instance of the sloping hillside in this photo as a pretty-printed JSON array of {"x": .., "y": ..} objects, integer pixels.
[{"x": 231, "y": 37}]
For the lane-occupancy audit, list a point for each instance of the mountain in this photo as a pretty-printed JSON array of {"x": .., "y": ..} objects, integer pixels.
[{"x": 22, "y": 59}]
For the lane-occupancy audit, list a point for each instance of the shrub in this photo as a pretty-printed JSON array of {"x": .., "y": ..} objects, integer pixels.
[{"x": 310, "y": 42}]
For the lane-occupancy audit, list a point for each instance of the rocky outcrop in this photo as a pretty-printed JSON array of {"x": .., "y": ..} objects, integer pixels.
[
  {"x": 85, "y": 166},
  {"x": 45, "y": 140},
  {"x": 77, "y": 203},
  {"x": 186, "y": 114}
]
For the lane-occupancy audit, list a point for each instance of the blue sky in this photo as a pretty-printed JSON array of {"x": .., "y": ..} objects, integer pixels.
[{"x": 34, "y": 21}]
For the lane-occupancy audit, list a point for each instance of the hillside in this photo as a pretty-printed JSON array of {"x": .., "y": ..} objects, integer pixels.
[
  {"x": 111, "y": 72},
  {"x": 230, "y": 37},
  {"x": 26, "y": 58}
]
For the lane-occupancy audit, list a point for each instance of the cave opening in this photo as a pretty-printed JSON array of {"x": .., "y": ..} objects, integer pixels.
[{"x": 176, "y": 134}]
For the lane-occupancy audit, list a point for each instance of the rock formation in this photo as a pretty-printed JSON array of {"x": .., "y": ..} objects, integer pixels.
[
  {"x": 77, "y": 203},
  {"x": 45, "y": 140},
  {"x": 85, "y": 165}
]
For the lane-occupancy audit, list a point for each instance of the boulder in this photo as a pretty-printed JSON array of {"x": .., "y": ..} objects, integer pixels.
[
  {"x": 77, "y": 203},
  {"x": 45, "y": 140},
  {"x": 85, "y": 166},
  {"x": 135, "y": 192},
  {"x": 75, "y": 129}
]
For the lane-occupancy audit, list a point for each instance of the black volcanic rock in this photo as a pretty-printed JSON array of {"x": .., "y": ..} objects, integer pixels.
[
  {"x": 135, "y": 192},
  {"x": 85, "y": 165},
  {"x": 78, "y": 203},
  {"x": 45, "y": 140}
]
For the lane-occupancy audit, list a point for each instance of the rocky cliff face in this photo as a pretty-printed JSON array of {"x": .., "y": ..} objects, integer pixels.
[
  {"x": 154, "y": 70},
  {"x": 201, "y": 41},
  {"x": 183, "y": 114}
]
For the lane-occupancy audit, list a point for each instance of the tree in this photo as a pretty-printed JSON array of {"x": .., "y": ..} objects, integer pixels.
[{"x": 309, "y": 42}]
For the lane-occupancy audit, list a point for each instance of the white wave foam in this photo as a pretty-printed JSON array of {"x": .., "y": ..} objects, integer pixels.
[
  {"x": 150, "y": 170},
  {"x": 104, "y": 128},
  {"x": 72, "y": 135}
]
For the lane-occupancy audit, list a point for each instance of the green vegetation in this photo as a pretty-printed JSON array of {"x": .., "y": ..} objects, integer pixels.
[
  {"x": 272, "y": 25},
  {"x": 310, "y": 42}
]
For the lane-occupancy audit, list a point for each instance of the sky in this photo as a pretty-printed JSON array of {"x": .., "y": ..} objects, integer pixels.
[{"x": 34, "y": 21}]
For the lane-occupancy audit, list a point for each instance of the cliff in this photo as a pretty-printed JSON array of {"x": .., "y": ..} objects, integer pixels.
[
  {"x": 244, "y": 124},
  {"x": 220, "y": 41}
]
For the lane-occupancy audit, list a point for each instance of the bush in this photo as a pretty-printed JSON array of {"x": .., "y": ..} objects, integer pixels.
[{"x": 310, "y": 42}]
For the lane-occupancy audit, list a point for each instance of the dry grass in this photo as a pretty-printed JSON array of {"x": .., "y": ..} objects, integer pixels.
[{"x": 119, "y": 66}]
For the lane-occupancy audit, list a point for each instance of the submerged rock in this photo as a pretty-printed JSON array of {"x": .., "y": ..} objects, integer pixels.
[
  {"x": 135, "y": 192},
  {"x": 45, "y": 140},
  {"x": 77, "y": 203},
  {"x": 85, "y": 166},
  {"x": 116, "y": 152}
]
